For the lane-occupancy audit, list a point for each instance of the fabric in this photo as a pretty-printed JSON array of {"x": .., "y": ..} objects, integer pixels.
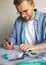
[
  {"x": 30, "y": 33},
  {"x": 18, "y": 33}
]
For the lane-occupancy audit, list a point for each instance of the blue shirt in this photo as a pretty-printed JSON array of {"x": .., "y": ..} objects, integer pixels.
[{"x": 18, "y": 32}]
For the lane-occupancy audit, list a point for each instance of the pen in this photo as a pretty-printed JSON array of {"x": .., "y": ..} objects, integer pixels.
[{"x": 8, "y": 41}]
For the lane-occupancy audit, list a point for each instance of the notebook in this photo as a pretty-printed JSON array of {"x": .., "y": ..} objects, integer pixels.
[{"x": 31, "y": 63}]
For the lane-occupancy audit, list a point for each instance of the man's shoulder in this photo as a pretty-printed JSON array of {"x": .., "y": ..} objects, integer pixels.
[
  {"x": 19, "y": 19},
  {"x": 43, "y": 15},
  {"x": 40, "y": 15},
  {"x": 40, "y": 12}
]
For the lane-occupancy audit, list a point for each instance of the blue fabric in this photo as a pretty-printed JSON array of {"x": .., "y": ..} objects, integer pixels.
[{"x": 18, "y": 33}]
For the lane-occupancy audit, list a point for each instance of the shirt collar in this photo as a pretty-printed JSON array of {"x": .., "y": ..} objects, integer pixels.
[{"x": 37, "y": 14}]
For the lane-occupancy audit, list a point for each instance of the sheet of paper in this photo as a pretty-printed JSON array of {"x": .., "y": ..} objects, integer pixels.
[{"x": 16, "y": 50}]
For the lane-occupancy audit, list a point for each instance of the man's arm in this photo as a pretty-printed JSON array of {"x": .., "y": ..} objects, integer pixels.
[
  {"x": 11, "y": 40},
  {"x": 28, "y": 47}
]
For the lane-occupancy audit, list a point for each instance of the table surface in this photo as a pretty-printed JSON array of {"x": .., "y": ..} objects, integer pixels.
[{"x": 16, "y": 50}]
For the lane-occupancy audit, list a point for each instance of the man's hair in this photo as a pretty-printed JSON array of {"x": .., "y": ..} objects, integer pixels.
[{"x": 18, "y": 2}]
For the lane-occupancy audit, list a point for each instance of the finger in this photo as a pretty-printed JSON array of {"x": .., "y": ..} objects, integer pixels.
[
  {"x": 10, "y": 46},
  {"x": 28, "y": 49},
  {"x": 7, "y": 46},
  {"x": 10, "y": 42},
  {"x": 24, "y": 47},
  {"x": 21, "y": 46}
]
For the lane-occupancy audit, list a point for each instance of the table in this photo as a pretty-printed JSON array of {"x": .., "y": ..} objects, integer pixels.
[{"x": 16, "y": 50}]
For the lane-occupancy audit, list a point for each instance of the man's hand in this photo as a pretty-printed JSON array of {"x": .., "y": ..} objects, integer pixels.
[
  {"x": 8, "y": 45},
  {"x": 27, "y": 47}
]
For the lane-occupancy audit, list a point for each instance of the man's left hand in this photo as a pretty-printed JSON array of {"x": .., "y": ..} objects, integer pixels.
[{"x": 26, "y": 47}]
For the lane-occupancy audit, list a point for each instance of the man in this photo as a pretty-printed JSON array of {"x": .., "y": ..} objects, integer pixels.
[{"x": 29, "y": 30}]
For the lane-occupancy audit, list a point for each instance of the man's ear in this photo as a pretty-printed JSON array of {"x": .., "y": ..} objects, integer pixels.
[{"x": 33, "y": 5}]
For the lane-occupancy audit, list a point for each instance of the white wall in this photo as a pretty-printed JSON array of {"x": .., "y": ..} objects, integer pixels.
[
  {"x": 8, "y": 15},
  {"x": 41, "y": 5},
  {"x": 7, "y": 18}
]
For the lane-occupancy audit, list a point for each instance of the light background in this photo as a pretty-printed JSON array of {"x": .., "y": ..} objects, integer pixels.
[{"x": 8, "y": 14}]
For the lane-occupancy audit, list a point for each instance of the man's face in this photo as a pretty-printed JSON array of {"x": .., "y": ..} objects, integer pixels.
[{"x": 26, "y": 10}]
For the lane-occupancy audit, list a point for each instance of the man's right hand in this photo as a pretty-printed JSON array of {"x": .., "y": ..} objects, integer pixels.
[{"x": 8, "y": 45}]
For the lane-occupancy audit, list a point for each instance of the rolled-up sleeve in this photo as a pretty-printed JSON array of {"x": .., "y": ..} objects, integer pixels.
[{"x": 13, "y": 35}]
